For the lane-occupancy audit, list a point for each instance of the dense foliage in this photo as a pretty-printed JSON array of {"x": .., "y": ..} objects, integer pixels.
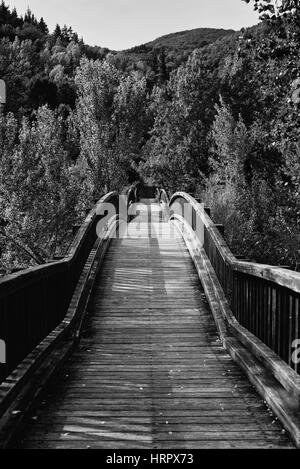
[
  {"x": 73, "y": 128},
  {"x": 39, "y": 67},
  {"x": 221, "y": 122},
  {"x": 157, "y": 59},
  {"x": 227, "y": 129}
]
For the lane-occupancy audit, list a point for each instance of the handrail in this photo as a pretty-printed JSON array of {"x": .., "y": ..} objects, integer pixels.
[
  {"x": 163, "y": 196},
  {"x": 34, "y": 301},
  {"x": 264, "y": 299},
  {"x": 24, "y": 385}
]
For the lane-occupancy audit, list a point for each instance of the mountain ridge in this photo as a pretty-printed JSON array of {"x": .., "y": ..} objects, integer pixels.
[
  {"x": 173, "y": 49},
  {"x": 198, "y": 33},
  {"x": 197, "y": 37}
]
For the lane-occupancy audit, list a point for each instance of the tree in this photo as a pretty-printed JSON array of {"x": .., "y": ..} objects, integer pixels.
[
  {"x": 131, "y": 121},
  {"x": 97, "y": 83},
  {"x": 30, "y": 18},
  {"x": 56, "y": 33},
  {"x": 39, "y": 189},
  {"x": 230, "y": 146},
  {"x": 270, "y": 8},
  {"x": 112, "y": 123},
  {"x": 177, "y": 153},
  {"x": 16, "y": 66},
  {"x": 162, "y": 72},
  {"x": 4, "y": 13},
  {"x": 43, "y": 27}
]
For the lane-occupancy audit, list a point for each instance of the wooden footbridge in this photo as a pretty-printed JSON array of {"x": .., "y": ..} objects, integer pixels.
[{"x": 150, "y": 335}]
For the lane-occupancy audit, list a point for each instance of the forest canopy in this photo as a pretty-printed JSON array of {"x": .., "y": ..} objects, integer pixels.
[{"x": 219, "y": 120}]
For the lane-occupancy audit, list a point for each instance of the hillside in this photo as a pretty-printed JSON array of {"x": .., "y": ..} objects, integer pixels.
[
  {"x": 47, "y": 74},
  {"x": 190, "y": 40},
  {"x": 170, "y": 51}
]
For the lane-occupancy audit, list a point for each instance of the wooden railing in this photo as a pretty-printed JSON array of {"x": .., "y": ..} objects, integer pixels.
[
  {"x": 33, "y": 302},
  {"x": 264, "y": 299}
]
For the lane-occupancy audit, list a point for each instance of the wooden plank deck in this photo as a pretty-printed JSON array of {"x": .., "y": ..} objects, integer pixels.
[{"x": 150, "y": 371}]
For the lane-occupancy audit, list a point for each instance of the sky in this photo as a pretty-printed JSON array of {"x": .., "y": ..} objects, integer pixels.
[{"x": 121, "y": 24}]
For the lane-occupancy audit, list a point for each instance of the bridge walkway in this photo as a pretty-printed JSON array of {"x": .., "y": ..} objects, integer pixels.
[{"x": 150, "y": 371}]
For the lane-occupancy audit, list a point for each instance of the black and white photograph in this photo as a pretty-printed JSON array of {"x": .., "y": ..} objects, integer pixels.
[{"x": 150, "y": 228}]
